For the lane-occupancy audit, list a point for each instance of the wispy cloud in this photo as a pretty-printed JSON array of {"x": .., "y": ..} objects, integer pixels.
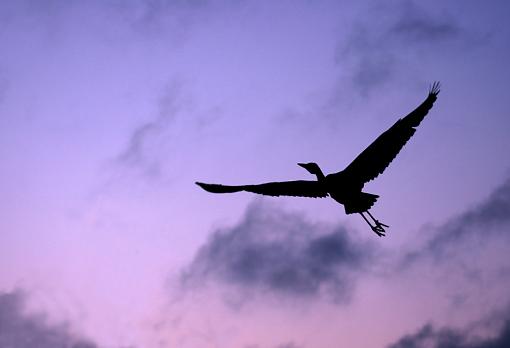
[
  {"x": 274, "y": 251},
  {"x": 142, "y": 148},
  {"x": 161, "y": 18},
  {"x": 21, "y": 330},
  {"x": 465, "y": 247},
  {"x": 172, "y": 21},
  {"x": 414, "y": 25},
  {"x": 387, "y": 36},
  {"x": 489, "y": 218}
]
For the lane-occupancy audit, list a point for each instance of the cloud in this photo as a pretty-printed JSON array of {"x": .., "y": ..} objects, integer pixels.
[
  {"x": 380, "y": 44},
  {"x": 274, "y": 251},
  {"x": 282, "y": 345},
  {"x": 429, "y": 337},
  {"x": 161, "y": 18},
  {"x": 489, "y": 218},
  {"x": 470, "y": 250},
  {"x": 21, "y": 330},
  {"x": 172, "y": 21},
  {"x": 416, "y": 26},
  {"x": 142, "y": 147},
  {"x": 288, "y": 345}
]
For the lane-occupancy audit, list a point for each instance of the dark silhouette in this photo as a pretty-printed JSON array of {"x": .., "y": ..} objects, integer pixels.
[{"x": 345, "y": 186}]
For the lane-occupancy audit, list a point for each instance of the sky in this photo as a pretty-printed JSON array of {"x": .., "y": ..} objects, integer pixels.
[{"x": 111, "y": 110}]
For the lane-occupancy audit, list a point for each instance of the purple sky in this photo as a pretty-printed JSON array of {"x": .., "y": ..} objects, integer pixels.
[{"x": 111, "y": 110}]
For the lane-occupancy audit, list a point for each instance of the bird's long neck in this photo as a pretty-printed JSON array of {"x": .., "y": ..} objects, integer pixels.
[{"x": 320, "y": 174}]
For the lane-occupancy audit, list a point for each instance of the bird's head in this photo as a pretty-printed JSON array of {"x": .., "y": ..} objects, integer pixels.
[{"x": 313, "y": 168}]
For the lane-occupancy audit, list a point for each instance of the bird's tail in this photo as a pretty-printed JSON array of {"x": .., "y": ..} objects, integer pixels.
[
  {"x": 360, "y": 203},
  {"x": 216, "y": 188}
]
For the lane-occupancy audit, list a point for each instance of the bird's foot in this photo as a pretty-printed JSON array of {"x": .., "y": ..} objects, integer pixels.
[
  {"x": 379, "y": 230},
  {"x": 379, "y": 224}
]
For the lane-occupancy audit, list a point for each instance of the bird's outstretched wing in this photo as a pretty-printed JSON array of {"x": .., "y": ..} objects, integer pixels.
[
  {"x": 377, "y": 157},
  {"x": 299, "y": 188}
]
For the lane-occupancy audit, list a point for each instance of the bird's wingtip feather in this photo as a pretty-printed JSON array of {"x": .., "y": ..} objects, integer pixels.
[{"x": 435, "y": 88}]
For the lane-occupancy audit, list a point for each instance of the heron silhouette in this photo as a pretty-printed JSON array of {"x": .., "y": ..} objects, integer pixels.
[{"x": 346, "y": 186}]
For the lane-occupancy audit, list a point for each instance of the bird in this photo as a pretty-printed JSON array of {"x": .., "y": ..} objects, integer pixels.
[{"x": 346, "y": 186}]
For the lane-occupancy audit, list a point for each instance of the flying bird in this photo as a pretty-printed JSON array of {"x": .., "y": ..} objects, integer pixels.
[{"x": 346, "y": 186}]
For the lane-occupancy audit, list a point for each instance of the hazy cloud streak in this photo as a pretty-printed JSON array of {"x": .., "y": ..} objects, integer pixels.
[
  {"x": 140, "y": 149},
  {"x": 380, "y": 43},
  {"x": 487, "y": 219}
]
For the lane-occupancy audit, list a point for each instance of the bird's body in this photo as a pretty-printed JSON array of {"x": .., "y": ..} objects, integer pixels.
[{"x": 346, "y": 186}]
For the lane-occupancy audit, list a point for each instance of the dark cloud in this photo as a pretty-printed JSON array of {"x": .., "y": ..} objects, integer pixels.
[
  {"x": 272, "y": 250},
  {"x": 428, "y": 337},
  {"x": 389, "y": 35},
  {"x": 21, "y": 330},
  {"x": 489, "y": 218}
]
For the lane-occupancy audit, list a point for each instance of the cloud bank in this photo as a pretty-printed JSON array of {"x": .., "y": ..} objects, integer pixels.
[
  {"x": 270, "y": 250},
  {"x": 475, "y": 243},
  {"x": 21, "y": 330},
  {"x": 274, "y": 251},
  {"x": 429, "y": 337}
]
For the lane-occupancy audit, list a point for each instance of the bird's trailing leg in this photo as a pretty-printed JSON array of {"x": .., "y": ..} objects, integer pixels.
[
  {"x": 379, "y": 230},
  {"x": 378, "y": 226},
  {"x": 377, "y": 222}
]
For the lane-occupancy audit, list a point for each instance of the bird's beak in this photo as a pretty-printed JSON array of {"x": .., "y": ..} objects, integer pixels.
[{"x": 302, "y": 165}]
